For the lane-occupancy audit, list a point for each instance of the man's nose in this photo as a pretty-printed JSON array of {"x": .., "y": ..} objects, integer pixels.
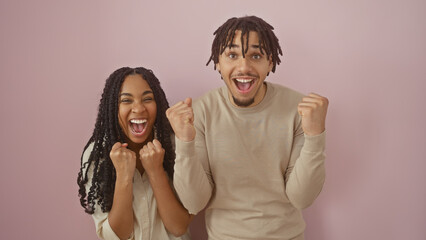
[{"x": 244, "y": 64}]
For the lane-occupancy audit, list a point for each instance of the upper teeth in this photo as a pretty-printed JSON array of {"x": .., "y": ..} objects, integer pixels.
[
  {"x": 243, "y": 80},
  {"x": 138, "y": 121}
]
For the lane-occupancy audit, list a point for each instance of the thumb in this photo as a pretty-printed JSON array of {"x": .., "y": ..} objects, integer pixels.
[
  {"x": 188, "y": 101},
  {"x": 157, "y": 144},
  {"x": 116, "y": 146}
]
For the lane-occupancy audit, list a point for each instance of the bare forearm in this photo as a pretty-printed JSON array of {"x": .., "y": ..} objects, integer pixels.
[
  {"x": 121, "y": 215},
  {"x": 174, "y": 216}
]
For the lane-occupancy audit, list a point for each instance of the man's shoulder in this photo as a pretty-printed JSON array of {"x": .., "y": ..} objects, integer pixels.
[
  {"x": 213, "y": 93},
  {"x": 283, "y": 91},
  {"x": 213, "y": 96},
  {"x": 210, "y": 103}
]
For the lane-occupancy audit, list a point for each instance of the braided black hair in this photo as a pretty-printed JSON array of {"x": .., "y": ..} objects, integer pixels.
[
  {"x": 108, "y": 131},
  {"x": 225, "y": 34}
]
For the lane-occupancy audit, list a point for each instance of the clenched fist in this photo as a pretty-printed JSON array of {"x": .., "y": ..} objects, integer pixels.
[
  {"x": 124, "y": 160},
  {"x": 181, "y": 118},
  {"x": 152, "y": 156},
  {"x": 313, "y": 110}
]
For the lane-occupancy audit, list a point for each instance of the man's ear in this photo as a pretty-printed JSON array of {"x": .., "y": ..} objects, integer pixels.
[{"x": 271, "y": 64}]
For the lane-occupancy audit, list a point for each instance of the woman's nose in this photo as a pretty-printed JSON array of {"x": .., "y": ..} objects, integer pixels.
[{"x": 138, "y": 107}]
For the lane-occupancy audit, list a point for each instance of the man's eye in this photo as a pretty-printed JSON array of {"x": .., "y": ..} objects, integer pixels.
[
  {"x": 231, "y": 55},
  {"x": 257, "y": 56}
]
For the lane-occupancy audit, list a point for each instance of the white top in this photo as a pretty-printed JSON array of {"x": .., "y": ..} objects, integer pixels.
[{"x": 147, "y": 220}]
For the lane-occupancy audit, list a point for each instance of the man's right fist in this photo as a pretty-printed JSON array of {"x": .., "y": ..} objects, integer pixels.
[{"x": 181, "y": 118}]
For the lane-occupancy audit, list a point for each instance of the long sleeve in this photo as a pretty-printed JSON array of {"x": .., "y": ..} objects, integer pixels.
[
  {"x": 191, "y": 182},
  {"x": 103, "y": 228},
  {"x": 305, "y": 174},
  {"x": 192, "y": 177},
  {"x": 253, "y": 167}
]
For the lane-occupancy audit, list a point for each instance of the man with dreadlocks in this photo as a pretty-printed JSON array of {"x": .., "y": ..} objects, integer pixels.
[
  {"x": 250, "y": 153},
  {"x": 128, "y": 161}
]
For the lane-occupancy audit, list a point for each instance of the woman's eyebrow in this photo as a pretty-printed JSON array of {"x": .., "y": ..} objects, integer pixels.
[
  {"x": 147, "y": 92},
  {"x": 130, "y": 95}
]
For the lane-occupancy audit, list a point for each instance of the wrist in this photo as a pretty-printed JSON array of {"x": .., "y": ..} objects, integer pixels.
[
  {"x": 156, "y": 174},
  {"x": 124, "y": 179},
  {"x": 313, "y": 134},
  {"x": 314, "y": 131},
  {"x": 185, "y": 138}
]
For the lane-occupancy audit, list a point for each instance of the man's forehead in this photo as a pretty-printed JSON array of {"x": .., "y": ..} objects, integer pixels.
[{"x": 253, "y": 38}]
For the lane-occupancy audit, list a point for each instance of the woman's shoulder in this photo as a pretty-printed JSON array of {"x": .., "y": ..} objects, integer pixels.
[
  {"x": 87, "y": 152},
  {"x": 85, "y": 166}
]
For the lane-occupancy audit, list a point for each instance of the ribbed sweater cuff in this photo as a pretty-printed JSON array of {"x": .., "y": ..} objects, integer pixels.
[
  {"x": 315, "y": 143},
  {"x": 187, "y": 148}
]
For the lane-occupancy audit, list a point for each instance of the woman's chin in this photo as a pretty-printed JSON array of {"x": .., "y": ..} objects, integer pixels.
[{"x": 137, "y": 140}]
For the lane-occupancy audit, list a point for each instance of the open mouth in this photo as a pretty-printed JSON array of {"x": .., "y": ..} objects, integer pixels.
[
  {"x": 244, "y": 85},
  {"x": 138, "y": 126}
]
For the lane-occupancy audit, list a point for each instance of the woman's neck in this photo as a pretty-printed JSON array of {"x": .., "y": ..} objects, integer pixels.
[{"x": 136, "y": 147}]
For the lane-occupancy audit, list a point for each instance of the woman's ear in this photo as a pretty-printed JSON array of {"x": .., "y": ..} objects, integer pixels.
[{"x": 218, "y": 67}]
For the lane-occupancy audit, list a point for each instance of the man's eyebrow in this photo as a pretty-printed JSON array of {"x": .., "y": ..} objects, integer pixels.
[
  {"x": 238, "y": 46},
  {"x": 233, "y": 46}
]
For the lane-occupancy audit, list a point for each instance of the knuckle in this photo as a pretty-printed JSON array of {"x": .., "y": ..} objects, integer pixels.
[{"x": 325, "y": 100}]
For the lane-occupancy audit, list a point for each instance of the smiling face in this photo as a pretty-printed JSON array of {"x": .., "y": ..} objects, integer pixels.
[
  {"x": 244, "y": 76},
  {"x": 137, "y": 109}
]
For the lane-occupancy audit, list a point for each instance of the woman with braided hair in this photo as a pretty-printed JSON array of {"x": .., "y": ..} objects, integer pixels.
[{"x": 127, "y": 164}]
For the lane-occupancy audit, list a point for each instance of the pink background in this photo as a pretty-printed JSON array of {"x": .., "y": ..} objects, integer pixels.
[{"x": 367, "y": 57}]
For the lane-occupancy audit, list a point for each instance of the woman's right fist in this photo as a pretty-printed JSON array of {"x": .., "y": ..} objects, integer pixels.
[{"x": 124, "y": 160}]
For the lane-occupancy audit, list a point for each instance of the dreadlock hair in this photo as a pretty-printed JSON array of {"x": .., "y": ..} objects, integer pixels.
[
  {"x": 108, "y": 131},
  {"x": 225, "y": 34}
]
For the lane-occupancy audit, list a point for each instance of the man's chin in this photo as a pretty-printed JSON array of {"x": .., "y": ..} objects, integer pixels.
[{"x": 243, "y": 103}]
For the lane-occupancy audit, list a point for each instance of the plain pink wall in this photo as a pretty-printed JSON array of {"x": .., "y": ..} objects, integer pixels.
[{"x": 367, "y": 57}]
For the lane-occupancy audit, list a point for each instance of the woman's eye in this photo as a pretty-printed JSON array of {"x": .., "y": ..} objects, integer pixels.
[
  {"x": 149, "y": 99},
  {"x": 125, "y": 100},
  {"x": 231, "y": 55}
]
